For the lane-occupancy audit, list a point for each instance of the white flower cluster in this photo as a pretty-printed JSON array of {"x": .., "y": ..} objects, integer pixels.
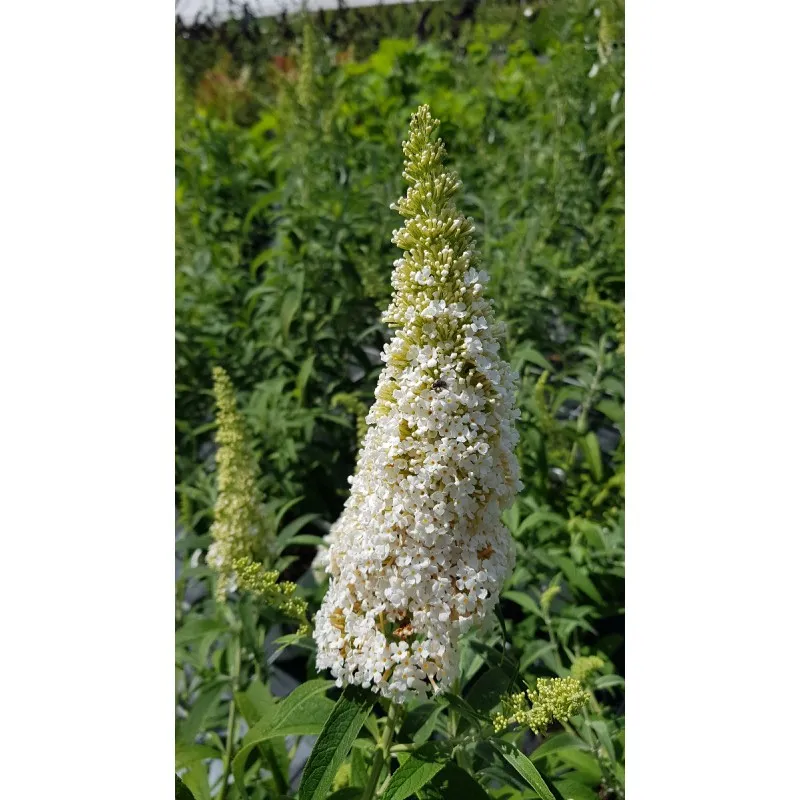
[{"x": 420, "y": 554}]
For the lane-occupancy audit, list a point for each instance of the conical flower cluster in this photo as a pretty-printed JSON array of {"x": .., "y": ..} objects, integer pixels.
[
  {"x": 241, "y": 535},
  {"x": 238, "y": 530},
  {"x": 420, "y": 554}
]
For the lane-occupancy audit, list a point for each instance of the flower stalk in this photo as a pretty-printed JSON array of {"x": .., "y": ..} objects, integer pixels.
[{"x": 382, "y": 754}]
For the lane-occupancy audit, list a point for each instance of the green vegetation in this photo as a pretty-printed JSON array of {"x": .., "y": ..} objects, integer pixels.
[{"x": 287, "y": 162}]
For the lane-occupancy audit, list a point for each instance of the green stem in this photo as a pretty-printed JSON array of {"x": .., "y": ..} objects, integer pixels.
[
  {"x": 552, "y": 636},
  {"x": 382, "y": 754},
  {"x": 594, "y": 742},
  {"x": 461, "y": 759},
  {"x": 237, "y": 665}
]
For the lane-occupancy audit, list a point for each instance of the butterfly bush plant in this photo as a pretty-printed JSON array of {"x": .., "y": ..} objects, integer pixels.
[{"x": 418, "y": 694}]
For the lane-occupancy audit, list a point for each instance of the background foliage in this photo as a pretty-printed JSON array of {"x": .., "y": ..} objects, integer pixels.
[{"x": 287, "y": 158}]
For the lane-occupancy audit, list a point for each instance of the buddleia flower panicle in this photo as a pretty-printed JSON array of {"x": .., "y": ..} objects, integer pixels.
[
  {"x": 583, "y": 666},
  {"x": 239, "y": 529},
  {"x": 419, "y": 554},
  {"x": 548, "y": 595},
  {"x": 552, "y": 699},
  {"x": 305, "y": 80},
  {"x": 240, "y": 533}
]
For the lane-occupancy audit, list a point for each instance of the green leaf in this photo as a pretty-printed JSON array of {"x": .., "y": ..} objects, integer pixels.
[
  {"x": 523, "y": 765},
  {"x": 359, "y": 774},
  {"x": 302, "y": 712},
  {"x": 304, "y": 374},
  {"x": 196, "y": 781},
  {"x": 420, "y": 722},
  {"x": 200, "y": 709},
  {"x": 600, "y": 727},
  {"x": 182, "y": 790},
  {"x": 334, "y": 743},
  {"x": 575, "y": 790},
  {"x": 254, "y": 704},
  {"x": 289, "y": 307},
  {"x": 523, "y": 600},
  {"x": 187, "y": 754},
  {"x": 538, "y": 650},
  {"x": 594, "y": 460},
  {"x": 197, "y": 629},
  {"x": 585, "y": 763},
  {"x": 260, "y": 205},
  {"x": 295, "y": 640},
  {"x": 348, "y": 793},
  {"x": 530, "y": 355},
  {"x": 414, "y": 773},
  {"x": 305, "y": 539},
  {"x": 557, "y": 743},
  {"x": 454, "y": 783},
  {"x": 295, "y": 526},
  {"x": 608, "y": 681},
  {"x": 614, "y": 411},
  {"x": 462, "y": 707},
  {"x": 486, "y": 692},
  {"x": 578, "y": 578}
]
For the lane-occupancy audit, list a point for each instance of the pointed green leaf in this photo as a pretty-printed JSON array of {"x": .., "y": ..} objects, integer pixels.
[
  {"x": 523, "y": 765},
  {"x": 454, "y": 783},
  {"x": 523, "y": 600},
  {"x": 196, "y": 781},
  {"x": 334, "y": 743},
  {"x": 420, "y": 722},
  {"x": 295, "y": 526},
  {"x": 302, "y": 712},
  {"x": 594, "y": 460},
  {"x": 188, "y": 754},
  {"x": 604, "y": 736},
  {"x": 182, "y": 790},
  {"x": 197, "y": 629},
  {"x": 486, "y": 692},
  {"x": 557, "y": 743},
  {"x": 289, "y": 307},
  {"x": 414, "y": 773}
]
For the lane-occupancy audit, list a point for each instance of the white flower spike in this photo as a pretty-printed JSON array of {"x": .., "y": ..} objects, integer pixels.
[{"x": 420, "y": 554}]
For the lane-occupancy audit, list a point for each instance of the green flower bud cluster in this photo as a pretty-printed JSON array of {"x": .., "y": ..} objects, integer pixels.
[
  {"x": 280, "y": 595},
  {"x": 548, "y": 595},
  {"x": 584, "y": 666},
  {"x": 239, "y": 530},
  {"x": 553, "y": 699},
  {"x": 305, "y": 80},
  {"x": 242, "y": 537}
]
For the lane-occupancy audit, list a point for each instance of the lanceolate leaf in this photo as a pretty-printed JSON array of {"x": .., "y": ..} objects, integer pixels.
[
  {"x": 334, "y": 742},
  {"x": 182, "y": 791},
  {"x": 486, "y": 692},
  {"x": 524, "y": 601},
  {"x": 420, "y": 722},
  {"x": 195, "y": 779},
  {"x": 302, "y": 712},
  {"x": 415, "y": 772},
  {"x": 454, "y": 783},
  {"x": 557, "y": 743},
  {"x": 523, "y": 765}
]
